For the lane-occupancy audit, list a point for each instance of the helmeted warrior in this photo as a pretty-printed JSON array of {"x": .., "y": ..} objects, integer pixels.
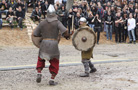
[
  {"x": 49, "y": 30},
  {"x": 86, "y": 55}
]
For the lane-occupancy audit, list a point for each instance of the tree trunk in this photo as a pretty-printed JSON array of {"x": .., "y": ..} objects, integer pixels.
[{"x": 69, "y": 4}]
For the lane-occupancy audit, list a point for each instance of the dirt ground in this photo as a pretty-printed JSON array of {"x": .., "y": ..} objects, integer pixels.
[
  {"x": 13, "y": 37},
  {"x": 16, "y": 49},
  {"x": 115, "y": 76}
]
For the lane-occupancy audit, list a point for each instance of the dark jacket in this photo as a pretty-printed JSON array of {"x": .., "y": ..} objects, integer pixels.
[
  {"x": 97, "y": 23},
  {"x": 89, "y": 19},
  {"x": 118, "y": 24},
  {"x": 136, "y": 22},
  {"x": 19, "y": 14},
  {"x": 64, "y": 17},
  {"x": 9, "y": 13},
  {"x": 70, "y": 15},
  {"x": 17, "y": 5},
  {"x": 94, "y": 10},
  {"x": 4, "y": 6},
  {"x": 51, "y": 1},
  {"x": 44, "y": 7},
  {"x": 29, "y": 1},
  {"x": 0, "y": 15},
  {"x": 12, "y": 4},
  {"x": 76, "y": 22},
  {"x": 35, "y": 13}
]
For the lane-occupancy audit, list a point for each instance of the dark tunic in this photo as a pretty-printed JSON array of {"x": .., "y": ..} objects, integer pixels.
[{"x": 49, "y": 29}]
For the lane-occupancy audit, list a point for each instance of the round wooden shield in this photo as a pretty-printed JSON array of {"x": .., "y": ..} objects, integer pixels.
[
  {"x": 36, "y": 40},
  {"x": 84, "y": 39}
]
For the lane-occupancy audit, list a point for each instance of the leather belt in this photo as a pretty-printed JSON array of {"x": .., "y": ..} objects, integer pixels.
[{"x": 49, "y": 39}]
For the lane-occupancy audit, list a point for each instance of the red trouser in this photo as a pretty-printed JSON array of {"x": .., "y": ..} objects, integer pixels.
[{"x": 53, "y": 68}]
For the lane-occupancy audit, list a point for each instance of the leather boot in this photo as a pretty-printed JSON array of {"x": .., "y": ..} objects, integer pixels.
[
  {"x": 38, "y": 79},
  {"x": 52, "y": 83},
  {"x": 86, "y": 67},
  {"x": 93, "y": 69},
  {"x": 84, "y": 75}
]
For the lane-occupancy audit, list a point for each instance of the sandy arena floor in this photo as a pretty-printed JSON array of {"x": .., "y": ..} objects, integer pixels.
[{"x": 111, "y": 76}]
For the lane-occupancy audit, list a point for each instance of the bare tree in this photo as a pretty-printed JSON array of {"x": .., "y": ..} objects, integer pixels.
[{"x": 69, "y": 4}]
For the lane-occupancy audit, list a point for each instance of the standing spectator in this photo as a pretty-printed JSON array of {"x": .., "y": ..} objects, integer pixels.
[
  {"x": 70, "y": 16},
  {"x": 90, "y": 4},
  {"x": 80, "y": 11},
  {"x": 113, "y": 13},
  {"x": 105, "y": 14},
  {"x": 137, "y": 27},
  {"x": 84, "y": 13},
  {"x": 124, "y": 3},
  {"x": 64, "y": 2},
  {"x": 94, "y": 1},
  {"x": 89, "y": 19},
  {"x": 100, "y": 10},
  {"x": 136, "y": 13},
  {"x": 131, "y": 8},
  {"x": 109, "y": 22},
  {"x": 59, "y": 1},
  {"x": 83, "y": 6},
  {"x": 19, "y": 16},
  {"x": 50, "y": 2},
  {"x": 75, "y": 5},
  {"x": 124, "y": 30},
  {"x": 135, "y": 16},
  {"x": 97, "y": 28},
  {"x": 124, "y": 12},
  {"x": 94, "y": 10},
  {"x": 57, "y": 4},
  {"x": 36, "y": 15},
  {"x": 63, "y": 15},
  {"x": 136, "y": 5},
  {"x": 89, "y": 1},
  {"x": 118, "y": 26},
  {"x": 44, "y": 8},
  {"x": 75, "y": 8},
  {"x": 76, "y": 20},
  {"x": 132, "y": 2},
  {"x": 131, "y": 27},
  {"x": 0, "y": 21},
  {"x": 10, "y": 17}
]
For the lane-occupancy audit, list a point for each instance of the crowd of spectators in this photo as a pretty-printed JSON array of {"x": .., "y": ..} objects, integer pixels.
[
  {"x": 112, "y": 16},
  {"x": 14, "y": 10}
]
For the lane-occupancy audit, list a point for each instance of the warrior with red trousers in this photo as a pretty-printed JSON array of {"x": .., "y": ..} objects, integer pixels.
[{"x": 49, "y": 30}]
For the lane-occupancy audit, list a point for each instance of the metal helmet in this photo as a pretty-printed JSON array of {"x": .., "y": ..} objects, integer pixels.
[
  {"x": 51, "y": 10},
  {"x": 83, "y": 19}
]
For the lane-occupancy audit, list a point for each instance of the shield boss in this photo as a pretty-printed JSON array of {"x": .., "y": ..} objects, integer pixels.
[{"x": 84, "y": 39}]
